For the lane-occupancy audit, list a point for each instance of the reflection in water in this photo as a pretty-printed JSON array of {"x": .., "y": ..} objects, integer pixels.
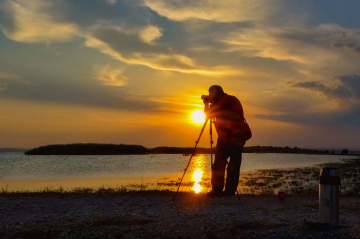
[
  {"x": 197, "y": 178},
  {"x": 124, "y": 172},
  {"x": 19, "y": 172},
  {"x": 199, "y": 166}
]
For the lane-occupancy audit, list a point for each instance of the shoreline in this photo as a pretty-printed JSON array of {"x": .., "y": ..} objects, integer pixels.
[
  {"x": 123, "y": 213},
  {"x": 292, "y": 181},
  {"x": 249, "y": 178}
]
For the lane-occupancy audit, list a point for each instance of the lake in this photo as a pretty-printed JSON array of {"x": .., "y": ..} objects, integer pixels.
[{"x": 19, "y": 172}]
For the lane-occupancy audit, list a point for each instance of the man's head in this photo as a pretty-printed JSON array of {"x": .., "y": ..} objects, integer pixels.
[{"x": 215, "y": 92}]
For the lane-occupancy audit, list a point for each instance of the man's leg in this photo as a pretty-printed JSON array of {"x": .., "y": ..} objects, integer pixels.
[
  {"x": 218, "y": 168},
  {"x": 233, "y": 169}
]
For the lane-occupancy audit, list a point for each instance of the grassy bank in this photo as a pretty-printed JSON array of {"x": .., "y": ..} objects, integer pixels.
[{"x": 301, "y": 181}]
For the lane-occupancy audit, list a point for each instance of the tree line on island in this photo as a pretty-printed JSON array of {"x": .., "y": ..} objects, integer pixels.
[{"x": 124, "y": 149}]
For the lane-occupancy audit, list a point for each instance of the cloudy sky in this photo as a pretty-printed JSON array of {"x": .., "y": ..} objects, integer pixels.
[{"x": 132, "y": 71}]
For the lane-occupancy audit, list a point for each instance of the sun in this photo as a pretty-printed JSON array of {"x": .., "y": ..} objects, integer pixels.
[{"x": 198, "y": 116}]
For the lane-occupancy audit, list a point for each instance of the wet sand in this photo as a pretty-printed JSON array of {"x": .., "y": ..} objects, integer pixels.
[{"x": 70, "y": 183}]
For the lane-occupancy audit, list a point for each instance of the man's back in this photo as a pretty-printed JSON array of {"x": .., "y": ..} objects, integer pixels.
[{"x": 233, "y": 112}]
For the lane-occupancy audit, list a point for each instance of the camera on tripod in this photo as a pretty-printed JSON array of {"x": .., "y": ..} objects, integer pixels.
[{"x": 205, "y": 98}]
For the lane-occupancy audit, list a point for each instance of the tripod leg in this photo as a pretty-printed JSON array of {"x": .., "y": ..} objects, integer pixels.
[
  {"x": 211, "y": 142},
  {"x": 193, "y": 153}
]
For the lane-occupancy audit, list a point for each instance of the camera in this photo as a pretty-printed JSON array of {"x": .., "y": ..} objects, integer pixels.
[{"x": 205, "y": 98}]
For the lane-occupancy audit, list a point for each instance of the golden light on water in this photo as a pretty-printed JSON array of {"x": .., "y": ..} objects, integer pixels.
[
  {"x": 197, "y": 178},
  {"x": 197, "y": 188},
  {"x": 199, "y": 172},
  {"x": 198, "y": 116}
]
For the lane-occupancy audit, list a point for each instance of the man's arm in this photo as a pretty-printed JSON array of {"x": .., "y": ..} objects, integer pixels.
[
  {"x": 234, "y": 113},
  {"x": 213, "y": 111},
  {"x": 216, "y": 111}
]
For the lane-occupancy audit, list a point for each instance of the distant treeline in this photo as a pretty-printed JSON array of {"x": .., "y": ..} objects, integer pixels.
[
  {"x": 272, "y": 149},
  {"x": 88, "y": 149},
  {"x": 122, "y": 149},
  {"x": 176, "y": 150}
]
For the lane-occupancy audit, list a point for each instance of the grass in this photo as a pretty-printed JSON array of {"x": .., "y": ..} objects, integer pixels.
[{"x": 300, "y": 181}]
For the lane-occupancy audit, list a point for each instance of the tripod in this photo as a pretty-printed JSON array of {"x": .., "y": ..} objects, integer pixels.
[{"x": 194, "y": 151}]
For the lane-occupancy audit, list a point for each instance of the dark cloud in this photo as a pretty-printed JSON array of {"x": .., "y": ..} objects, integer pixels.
[
  {"x": 76, "y": 94},
  {"x": 127, "y": 13},
  {"x": 347, "y": 88},
  {"x": 339, "y": 119},
  {"x": 7, "y": 20},
  {"x": 353, "y": 83},
  {"x": 345, "y": 14},
  {"x": 352, "y": 46},
  {"x": 346, "y": 92},
  {"x": 125, "y": 43},
  {"x": 344, "y": 38}
]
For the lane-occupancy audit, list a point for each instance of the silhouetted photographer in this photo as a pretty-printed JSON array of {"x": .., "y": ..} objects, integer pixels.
[{"x": 227, "y": 114}]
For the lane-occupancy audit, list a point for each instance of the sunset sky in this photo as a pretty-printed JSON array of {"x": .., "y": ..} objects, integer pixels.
[{"x": 132, "y": 71}]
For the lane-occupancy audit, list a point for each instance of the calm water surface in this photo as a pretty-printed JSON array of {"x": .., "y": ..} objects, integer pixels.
[{"x": 22, "y": 172}]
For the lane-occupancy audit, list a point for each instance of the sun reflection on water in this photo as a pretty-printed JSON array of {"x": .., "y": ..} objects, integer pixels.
[
  {"x": 197, "y": 178},
  {"x": 199, "y": 165}
]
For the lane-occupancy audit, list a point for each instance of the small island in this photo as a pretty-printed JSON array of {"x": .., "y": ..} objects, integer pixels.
[
  {"x": 89, "y": 149},
  {"x": 124, "y": 149}
]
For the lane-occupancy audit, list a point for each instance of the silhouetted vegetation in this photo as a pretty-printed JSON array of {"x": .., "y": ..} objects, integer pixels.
[
  {"x": 345, "y": 152},
  {"x": 88, "y": 149},
  {"x": 120, "y": 149},
  {"x": 176, "y": 150},
  {"x": 272, "y": 149}
]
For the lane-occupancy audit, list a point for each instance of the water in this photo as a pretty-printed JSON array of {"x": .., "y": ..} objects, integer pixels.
[{"x": 23, "y": 172}]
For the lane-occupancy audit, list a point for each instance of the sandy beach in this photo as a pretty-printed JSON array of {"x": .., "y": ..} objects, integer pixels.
[{"x": 155, "y": 215}]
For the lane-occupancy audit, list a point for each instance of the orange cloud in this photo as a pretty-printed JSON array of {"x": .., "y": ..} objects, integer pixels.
[
  {"x": 222, "y": 11},
  {"x": 158, "y": 60},
  {"x": 110, "y": 76},
  {"x": 40, "y": 21},
  {"x": 150, "y": 33},
  {"x": 282, "y": 44},
  {"x": 8, "y": 76}
]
